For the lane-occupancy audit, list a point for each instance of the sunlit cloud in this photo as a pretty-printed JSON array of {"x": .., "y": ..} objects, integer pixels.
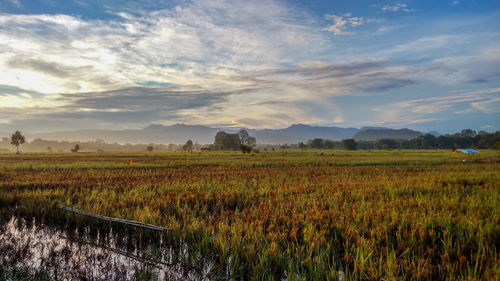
[
  {"x": 343, "y": 22},
  {"x": 237, "y": 63}
]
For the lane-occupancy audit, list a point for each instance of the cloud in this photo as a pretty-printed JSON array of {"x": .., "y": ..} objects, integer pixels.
[
  {"x": 425, "y": 44},
  {"x": 201, "y": 62},
  {"x": 185, "y": 45},
  {"x": 302, "y": 91},
  {"x": 220, "y": 62},
  {"x": 117, "y": 108},
  {"x": 342, "y": 22},
  {"x": 49, "y": 68},
  {"x": 143, "y": 99},
  {"x": 397, "y": 7},
  {"x": 16, "y": 3},
  {"x": 358, "y": 78},
  {"x": 488, "y": 106},
  {"x": 455, "y": 2},
  {"x": 484, "y": 100},
  {"x": 477, "y": 81}
]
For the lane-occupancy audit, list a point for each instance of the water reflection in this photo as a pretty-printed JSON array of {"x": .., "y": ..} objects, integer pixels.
[{"x": 33, "y": 248}]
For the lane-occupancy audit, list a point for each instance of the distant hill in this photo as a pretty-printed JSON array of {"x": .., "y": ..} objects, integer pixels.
[
  {"x": 300, "y": 132},
  {"x": 375, "y": 134},
  {"x": 373, "y": 128},
  {"x": 180, "y": 133}
]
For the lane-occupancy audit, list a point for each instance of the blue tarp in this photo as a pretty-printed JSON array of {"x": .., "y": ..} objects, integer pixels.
[{"x": 468, "y": 150}]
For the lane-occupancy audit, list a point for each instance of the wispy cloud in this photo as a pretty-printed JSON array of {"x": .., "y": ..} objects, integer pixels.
[
  {"x": 185, "y": 45},
  {"x": 397, "y": 7},
  {"x": 16, "y": 3},
  {"x": 425, "y": 44},
  {"x": 488, "y": 106},
  {"x": 484, "y": 100}
]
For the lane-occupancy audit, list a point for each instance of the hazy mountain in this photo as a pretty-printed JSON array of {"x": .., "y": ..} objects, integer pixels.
[
  {"x": 300, "y": 132},
  {"x": 375, "y": 134},
  {"x": 180, "y": 133},
  {"x": 373, "y": 128}
]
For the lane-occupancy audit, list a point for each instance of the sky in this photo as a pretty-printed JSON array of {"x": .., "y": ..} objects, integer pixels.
[{"x": 429, "y": 65}]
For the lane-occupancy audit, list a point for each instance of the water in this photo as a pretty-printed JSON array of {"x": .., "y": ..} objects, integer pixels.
[{"x": 62, "y": 254}]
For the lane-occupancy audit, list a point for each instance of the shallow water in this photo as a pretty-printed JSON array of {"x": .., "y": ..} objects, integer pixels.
[{"x": 78, "y": 255}]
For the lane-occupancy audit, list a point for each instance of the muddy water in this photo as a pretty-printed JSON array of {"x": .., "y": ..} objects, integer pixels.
[{"x": 31, "y": 246}]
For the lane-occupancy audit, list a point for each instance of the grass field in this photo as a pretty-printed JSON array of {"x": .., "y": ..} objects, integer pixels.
[{"x": 300, "y": 215}]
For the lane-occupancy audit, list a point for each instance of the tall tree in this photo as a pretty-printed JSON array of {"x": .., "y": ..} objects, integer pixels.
[
  {"x": 76, "y": 148},
  {"x": 188, "y": 146},
  {"x": 243, "y": 134},
  {"x": 225, "y": 141},
  {"x": 17, "y": 139}
]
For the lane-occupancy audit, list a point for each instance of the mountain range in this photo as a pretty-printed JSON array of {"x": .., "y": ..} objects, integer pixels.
[{"x": 180, "y": 133}]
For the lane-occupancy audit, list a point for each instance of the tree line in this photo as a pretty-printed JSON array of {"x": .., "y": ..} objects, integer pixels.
[
  {"x": 467, "y": 138},
  {"x": 244, "y": 142},
  {"x": 223, "y": 141},
  {"x": 40, "y": 145}
]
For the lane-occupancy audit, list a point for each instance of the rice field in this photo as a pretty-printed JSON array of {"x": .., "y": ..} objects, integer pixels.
[{"x": 282, "y": 215}]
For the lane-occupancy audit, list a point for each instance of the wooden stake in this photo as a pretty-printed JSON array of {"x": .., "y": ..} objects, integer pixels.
[{"x": 127, "y": 222}]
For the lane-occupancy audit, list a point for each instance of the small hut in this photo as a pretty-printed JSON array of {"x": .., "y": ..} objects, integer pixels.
[{"x": 467, "y": 151}]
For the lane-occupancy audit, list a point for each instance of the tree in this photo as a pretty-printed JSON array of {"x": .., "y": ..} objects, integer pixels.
[
  {"x": 251, "y": 141},
  {"x": 329, "y": 144},
  {"x": 76, "y": 148},
  {"x": 243, "y": 136},
  {"x": 386, "y": 144},
  {"x": 225, "y": 141},
  {"x": 188, "y": 145},
  {"x": 302, "y": 145},
  {"x": 428, "y": 141},
  {"x": 444, "y": 142},
  {"x": 245, "y": 148},
  {"x": 316, "y": 143},
  {"x": 17, "y": 139},
  {"x": 220, "y": 137},
  {"x": 349, "y": 144},
  {"x": 468, "y": 133},
  {"x": 149, "y": 148}
]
